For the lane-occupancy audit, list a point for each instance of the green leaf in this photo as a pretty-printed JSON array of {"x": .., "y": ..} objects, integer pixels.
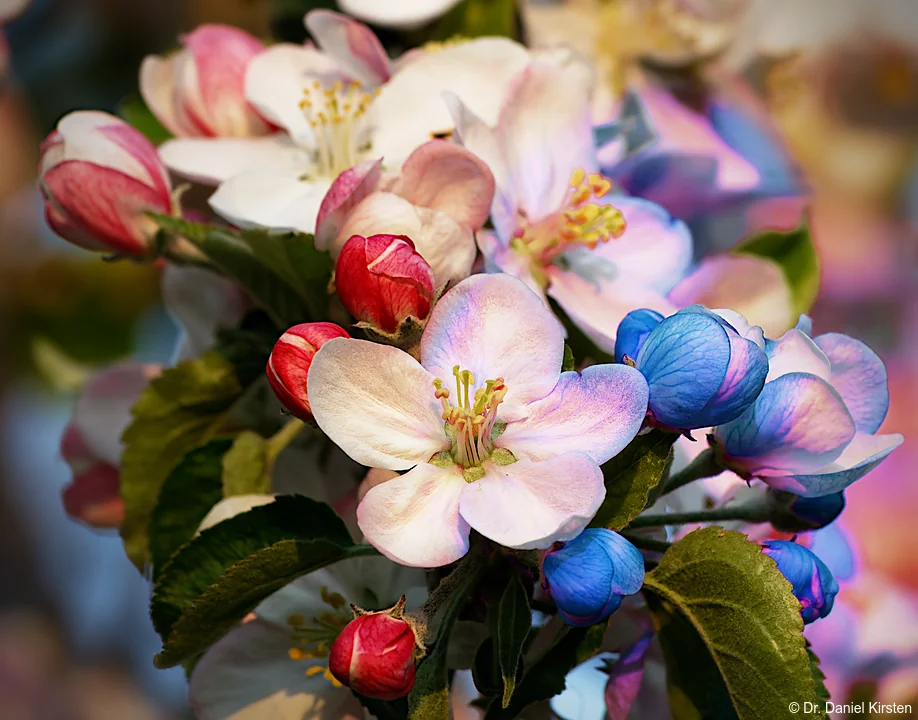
[
  {"x": 795, "y": 253},
  {"x": 245, "y": 466},
  {"x": 135, "y": 113},
  {"x": 385, "y": 709},
  {"x": 475, "y": 18},
  {"x": 746, "y": 616},
  {"x": 545, "y": 677},
  {"x": 819, "y": 677},
  {"x": 181, "y": 409},
  {"x": 219, "y": 577},
  {"x": 630, "y": 477},
  {"x": 568, "y": 362},
  {"x": 187, "y": 495},
  {"x": 514, "y": 620},
  {"x": 249, "y": 346},
  {"x": 486, "y": 670}
]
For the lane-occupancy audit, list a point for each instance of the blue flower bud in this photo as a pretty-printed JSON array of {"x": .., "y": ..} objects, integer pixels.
[
  {"x": 813, "y": 583},
  {"x": 633, "y": 331},
  {"x": 818, "y": 511},
  {"x": 701, "y": 371},
  {"x": 589, "y": 576}
]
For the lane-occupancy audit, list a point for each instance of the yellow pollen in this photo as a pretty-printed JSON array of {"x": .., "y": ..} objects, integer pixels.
[
  {"x": 315, "y": 670},
  {"x": 471, "y": 421},
  {"x": 336, "y": 114},
  {"x": 297, "y": 654}
]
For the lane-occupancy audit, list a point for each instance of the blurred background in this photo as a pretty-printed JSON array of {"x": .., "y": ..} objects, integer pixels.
[{"x": 840, "y": 78}]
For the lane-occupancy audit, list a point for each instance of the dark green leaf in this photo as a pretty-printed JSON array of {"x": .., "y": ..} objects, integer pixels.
[
  {"x": 245, "y": 466},
  {"x": 219, "y": 577},
  {"x": 746, "y": 616},
  {"x": 187, "y": 495},
  {"x": 796, "y": 255},
  {"x": 514, "y": 620},
  {"x": 136, "y": 114},
  {"x": 385, "y": 709},
  {"x": 568, "y": 362},
  {"x": 630, "y": 476},
  {"x": 181, "y": 409},
  {"x": 486, "y": 670},
  {"x": 249, "y": 346}
]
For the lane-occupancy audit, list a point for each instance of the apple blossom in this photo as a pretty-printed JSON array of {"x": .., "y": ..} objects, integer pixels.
[
  {"x": 441, "y": 195},
  {"x": 814, "y": 585},
  {"x": 813, "y": 429},
  {"x": 99, "y": 176},
  {"x": 385, "y": 284},
  {"x": 290, "y": 360},
  {"x": 485, "y": 453},
  {"x": 402, "y": 14},
  {"x": 199, "y": 91}
]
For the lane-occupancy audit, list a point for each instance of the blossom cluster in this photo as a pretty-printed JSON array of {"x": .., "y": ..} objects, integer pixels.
[{"x": 481, "y": 225}]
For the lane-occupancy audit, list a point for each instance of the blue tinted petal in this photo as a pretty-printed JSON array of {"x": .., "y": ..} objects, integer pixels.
[
  {"x": 860, "y": 378},
  {"x": 742, "y": 383},
  {"x": 633, "y": 331},
  {"x": 818, "y": 512},
  {"x": 813, "y": 583},
  {"x": 832, "y": 547}
]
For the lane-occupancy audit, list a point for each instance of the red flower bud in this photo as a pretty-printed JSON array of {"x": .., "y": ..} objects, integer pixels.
[
  {"x": 94, "y": 495},
  {"x": 288, "y": 366},
  {"x": 375, "y": 654},
  {"x": 382, "y": 281}
]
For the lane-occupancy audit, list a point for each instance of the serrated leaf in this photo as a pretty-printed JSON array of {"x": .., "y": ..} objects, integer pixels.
[
  {"x": 568, "y": 362},
  {"x": 181, "y": 409},
  {"x": 245, "y": 466},
  {"x": 514, "y": 620},
  {"x": 819, "y": 677},
  {"x": 795, "y": 253},
  {"x": 135, "y": 113},
  {"x": 219, "y": 577},
  {"x": 630, "y": 477},
  {"x": 747, "y": 618},
  {"x": 187, "y": 495}
]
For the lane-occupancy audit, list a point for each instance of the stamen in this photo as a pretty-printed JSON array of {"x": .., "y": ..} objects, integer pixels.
[
  {"x": 470, "y": 422},
  {"x": 336, "y": 115}
]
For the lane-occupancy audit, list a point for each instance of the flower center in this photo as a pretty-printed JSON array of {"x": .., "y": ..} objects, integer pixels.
[
  {"x": 580, "y": 221},
  {"x": 471, "y": 422},
  {"x": 338, "y": 116},
  {"x": 312, "y": 639}
]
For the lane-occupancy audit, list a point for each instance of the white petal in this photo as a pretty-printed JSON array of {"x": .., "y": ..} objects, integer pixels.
[
  {"x": 213, "y": 160},
  {"x": 796, "y": 352},
  {"x": 157, "y": 86},
  {"x": 376, "y": 403},
  {"x": 271, "y": 198},
  {"x": 402, "y": 14}
]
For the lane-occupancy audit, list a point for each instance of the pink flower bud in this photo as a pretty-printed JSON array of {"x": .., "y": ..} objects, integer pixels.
[
  {"x": 199, "y": 91},
  {"x": 375, "y": 654},
  {"x": 94, "y": 495},
  {"x": 99, "y": 176},
  {"x": 288, "y": 366},
  {"x": 383, "y": 281}
]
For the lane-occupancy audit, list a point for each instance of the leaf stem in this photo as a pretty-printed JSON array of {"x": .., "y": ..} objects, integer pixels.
[
  {"x": 275, "y": 444},
  {"x": 644, "y": 543},
  {"x": 704, "y": 466},
  {"x": 754, "y": 511}
]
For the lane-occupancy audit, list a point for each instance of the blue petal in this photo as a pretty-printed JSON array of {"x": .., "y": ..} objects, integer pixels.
[
  {"x": 813, "y": 583},
  {"x": 832, "y": 547},
  {"x": 860, "y": 378},
  {"x": 742, "y": 383},
  {"x": 589, "y": 575},
  {"x": 633, "y": 331},
  {"x": 818, "y": 512}
]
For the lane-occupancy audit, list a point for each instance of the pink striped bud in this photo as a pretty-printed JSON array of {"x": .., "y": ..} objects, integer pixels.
[
  {"x": 99, "y": 176},
  {"x": 288, "y": 366},
  {"x": 199, "y": 91},
  {"x": 385, "y": 283},
  {"x": 375, "y": 654}
]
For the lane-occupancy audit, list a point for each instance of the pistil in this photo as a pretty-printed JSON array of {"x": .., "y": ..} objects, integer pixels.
[
  {"x": 337, "y": 115},
  {"x": 471, "y": 421}
]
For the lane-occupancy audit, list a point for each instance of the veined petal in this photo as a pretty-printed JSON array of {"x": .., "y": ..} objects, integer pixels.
[
  {"x": 376, "y": 403},
  {"x": 596, "y": 412},
  {"x": 157, "y": 87},
  {"x": 494, "y": 326},
  {"x": 271, "y": 198},
  {"x": 352, "y": 45},
  {"x": 524, "y": 506},
  {"x": 796, "y": 352},
  {"x": 347, "y": 190},
  {"x": 861, "y": 456},
  {"x": 799, "y": 423},
  {"x": 443, "y": 176},
  {"x": 248, "y": 675},
  {"x": 213, "y": 160},
  {"x": 414, "y": 519},
  {"x": 754, "y": 287},
  {"x": 599, "y": 302},
  {"x": 402, "y": 14},
  {"x": 477, "y": 71},
  {"x": 633, "y": 332},
  {"x": 655, "y": 248},
  {"x": 859, "y": 376},
  {"x": 546, "y": 133}
]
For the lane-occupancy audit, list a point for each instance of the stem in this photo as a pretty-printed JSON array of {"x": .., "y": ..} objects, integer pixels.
[
  {"x": 363, "y": 551},
  {"x": 472, "y": 564},
  {"x": 275, "y": 444},
  {"x": 643, "y": 543},
  {"x": 704, "y": 466},
  {"x": 755, "y": 511}
]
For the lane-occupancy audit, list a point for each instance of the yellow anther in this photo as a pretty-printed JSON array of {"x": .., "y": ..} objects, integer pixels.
[
  {"x": 297, "y": 654},
  {"x": 577, "y": 178},
  {"x": 315, "y": 670},
  {"x": 332, "y": 679},
  {"x": 336, "y": 600},
  {"x": 600, "y": 185}
]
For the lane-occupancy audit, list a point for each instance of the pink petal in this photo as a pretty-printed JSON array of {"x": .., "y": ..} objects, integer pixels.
[
  {"x": 496, "y": 327},
  {"x": 796, "y": 352},
  {"x": 625, "y": 679},
  {"x": 500, "y": 258},
  {"x": 351, "y": 44},
  {"x": 524, "y": 506},
  {"x": 94, "y": 497},
  {"x": 347, "y": 190},
  {"x": 414, "y": 519},
  {"x": 444, "y": 176}
]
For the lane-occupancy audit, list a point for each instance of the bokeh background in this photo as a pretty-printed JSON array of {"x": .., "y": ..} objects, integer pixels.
[{"x": 75, "y": 641}]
